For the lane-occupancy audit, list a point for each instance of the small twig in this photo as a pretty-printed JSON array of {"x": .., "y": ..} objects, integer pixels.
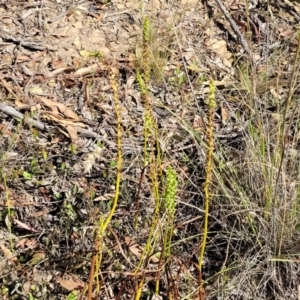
[
  {"x": 57, "y": 17},
  {"x": 7, "y": 87},
  {"x": 91, "y": 275},
  {"x": 68, "y": 10},
  {"x": 234, "y": 26},
  {"x": 11, "y": 111},
  {"x": 40, "y": 125},
  {"x": 126, "y": 11},
  {"x": 31, "y": 45}
]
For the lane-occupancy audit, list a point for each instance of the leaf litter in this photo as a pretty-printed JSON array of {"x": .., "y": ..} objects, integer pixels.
[{"x": 47, "y": 68}]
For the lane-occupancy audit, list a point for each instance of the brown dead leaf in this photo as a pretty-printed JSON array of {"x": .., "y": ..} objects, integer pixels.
[
  {"x": 25, "y": 226},
  {"x": 100, "y": 17},
  {"x": 286, "y": 33},
  {"x": 132, "y": 59},
  {"x": 224, "y": 113},
  {"x": 22, "y": 58},
  {"x": 127, "y": 240},
  {"x": 70, "y": 284},
  {"x": 58, "y": 64},
  {"x": 130, "y": 80},
  {"x": 37, "y": 55},
  {"x": 275, "y": 93},
  {"x": 77, "y": 63},
  {"x": 115, "y": 70},
  {"x": 185, "y": 2},
  {"x": 62, "y": 108},
  {"x": 26, "y": 287},
  {"x": 154, "y": 258},
  {"x": 74, "y": 236},
  {"x": 41, "y": 213},
  {"x": 219, "y": 47},
  {"x": 36, "y": 90},
  {"x": 4, "y": 130},
  {"x": 188, "y": 54},
  {"x": 8, "y": 254},
  {"x": 202, "y": 293},
  {"x": 135, "y": 249},
  {"x": 62, "y": 121},
  {"x": 26, "y": 70},
  {"x": 54, "y": 111},
  {"x": 45, "y": 193},
  {"x": 69, "y": 82},
  {"x": 72, "y": 132},
  {"x": 6, "y": 85},
  {"x": 26, "y": 243},
  {"x": 198, "y": 123},
  {"x": 19, "y": 103},
  {"x": 104, "y": 197}
]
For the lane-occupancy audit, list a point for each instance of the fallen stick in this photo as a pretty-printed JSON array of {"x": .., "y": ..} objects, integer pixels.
[
  {"x": 32, "y": 45},
  {"x": 11, "y": 111},
  {"x": 234, "y": 26},
  {"x": 40, "y": 125}
]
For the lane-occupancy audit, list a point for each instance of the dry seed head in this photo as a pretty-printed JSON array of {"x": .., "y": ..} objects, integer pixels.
[{"x": 90, "y": 160}]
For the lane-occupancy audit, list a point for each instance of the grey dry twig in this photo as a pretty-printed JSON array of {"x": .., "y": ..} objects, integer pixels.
[
  {"x": 40, "y": 125},
  {"x": 234, "y": 26},
  {"x": 11, "y": 111}
]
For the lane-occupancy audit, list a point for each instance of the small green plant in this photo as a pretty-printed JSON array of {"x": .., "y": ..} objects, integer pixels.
[
  {"x": 63, "y": 166},
  {"x": 72, "y": 149},
  {"x": 112, "y": 164},
  {"x": 69, "y": 210},
  {"x": 27, "y": 175},
  {"x": 45, "y": 154},
  {"x": 30, "y": 296},
  {"x": 73, "y": 295},
  {"x": 97, "y": 54},
  {"x": 179, "y": 77},
  {"x": 209, "y": 169}
]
